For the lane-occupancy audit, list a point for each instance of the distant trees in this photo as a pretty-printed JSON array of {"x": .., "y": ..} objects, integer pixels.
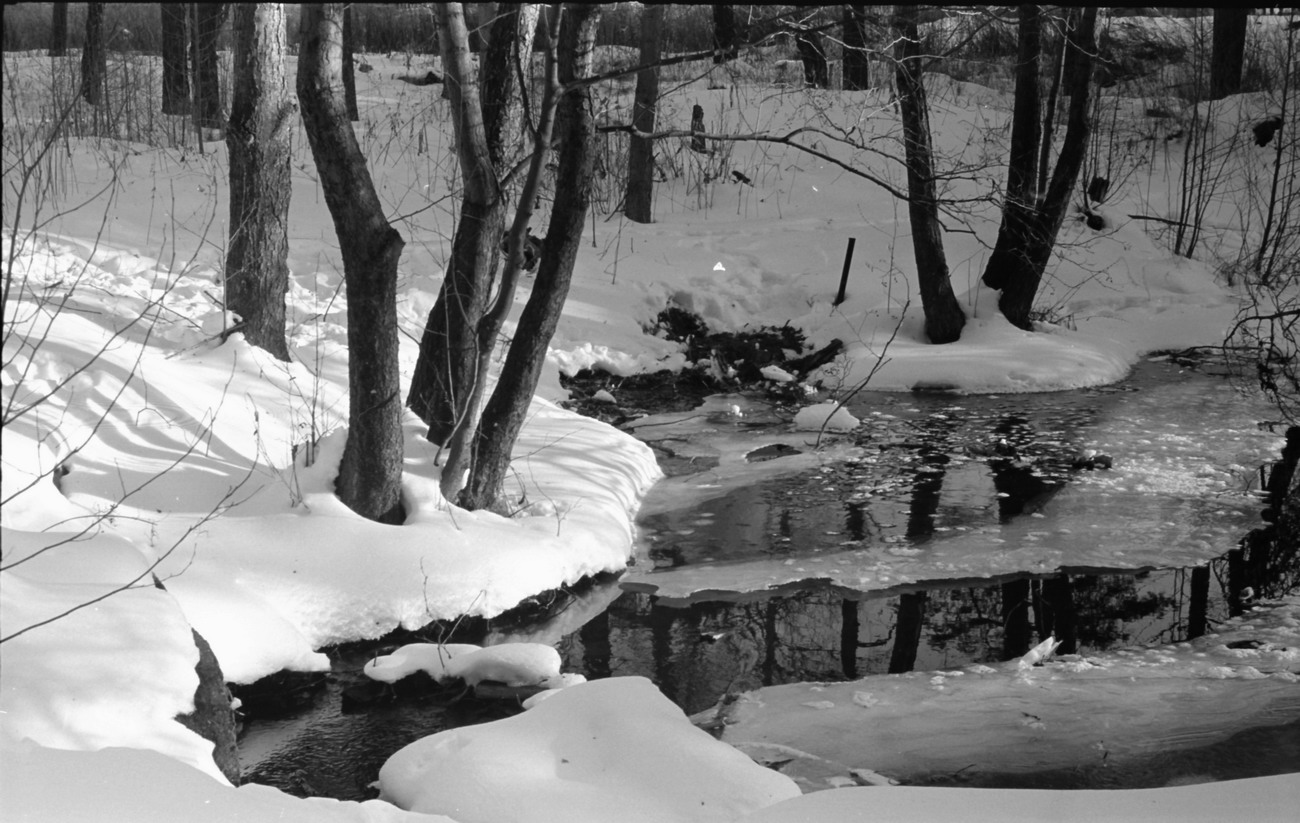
[
  {"x": 726, "y": 32},
  {"x": 261, "y": 120},
  {"x": 175, "y": 80},
  {"x": 857, "y": 65},
  {"x": 370, "y": 474},
  {"x": 639, "y": 197},
  {"x": 94, "y": 61},
  {"x": 205, "y": 27},
  {"x": 1228, "y": 50},
  {"x": 59, "y": 30},
  {"x": 1032, "y": 218}
]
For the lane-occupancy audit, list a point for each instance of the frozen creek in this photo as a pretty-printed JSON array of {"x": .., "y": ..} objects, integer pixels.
[{"x": 947, "y": 534}]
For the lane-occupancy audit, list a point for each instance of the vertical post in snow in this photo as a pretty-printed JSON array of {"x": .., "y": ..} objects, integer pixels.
[{"x": 844, "y": 275}]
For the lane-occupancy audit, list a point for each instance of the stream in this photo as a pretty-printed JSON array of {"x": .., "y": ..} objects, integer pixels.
[{"x": 947, "y": 530}]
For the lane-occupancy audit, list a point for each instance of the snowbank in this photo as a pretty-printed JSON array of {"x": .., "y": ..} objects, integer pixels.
[{"x": 608, "y": 749}]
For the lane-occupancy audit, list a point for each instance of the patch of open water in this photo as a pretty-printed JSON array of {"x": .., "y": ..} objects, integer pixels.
[{"x": 950, "y": 530}]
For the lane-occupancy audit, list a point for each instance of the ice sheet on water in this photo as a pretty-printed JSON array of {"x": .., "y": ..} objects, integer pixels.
[{"x": 1070, "y": 712}]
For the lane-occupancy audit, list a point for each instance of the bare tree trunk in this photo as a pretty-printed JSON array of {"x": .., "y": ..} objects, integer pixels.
[
  {"x": 349, "y": 76},
  {"x": 175, "y": 80},
  {"x": 206, "y": 24},
  {"x": 944, "y": 318},
  {"x": 370, "y": 474},
  {"x": 857, "y": 65},
  {"x": 1029, "y": 227},
  {"x": 504, "y": 414},
  {"x": 1228, "y": 54},
  {"x": 812, "y": 51},
  {"x": 261, "y": 116},
  {"x": 94, "y": 60},
  {"x": 59, "y": 30},
  {"x": 638, "y": 201},
  {"x": 726, "y": 34}
]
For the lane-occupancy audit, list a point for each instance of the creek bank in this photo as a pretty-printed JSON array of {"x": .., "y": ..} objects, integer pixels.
[
  {"x": 287, "y": 692},
  {"x": 770, "y": 360}
]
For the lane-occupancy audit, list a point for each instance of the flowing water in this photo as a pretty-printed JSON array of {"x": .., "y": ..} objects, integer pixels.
[{"x": 947, "y": 530}]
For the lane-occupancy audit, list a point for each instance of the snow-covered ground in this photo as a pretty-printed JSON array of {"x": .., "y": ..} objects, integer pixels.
[{"x": 210, "y": 465}]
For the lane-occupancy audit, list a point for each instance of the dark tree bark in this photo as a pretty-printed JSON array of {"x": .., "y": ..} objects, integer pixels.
[
  {"x": 857, "y": 66},
  {"x": 59, "y": 30},
  {"x": 456, "y": 345},
  {"x": 504, "y": 414},
  {"x": 370, "y": 474},
  {"x": 349, "y": 77},
  {"x": 1016, "y": 628},
  {"x": 850, "y": 627},
  {"x": 206, "y": 27},
  {"x": 94, "y": 60},
  {"x": 812, "y": 51},
  {"x": 261, "y": 117},
  {"x": 1228, "y": 54},
  {"x": 175, "y": 79},
  {"x": 726, "y": 33},
  {"x": 639, "y": 198},
  {"x": 1029, "y": 224},
  {"x": 944, "y": 318},
  {"x": 907, "y": 633},
  {"x": 447, "y": 367}
]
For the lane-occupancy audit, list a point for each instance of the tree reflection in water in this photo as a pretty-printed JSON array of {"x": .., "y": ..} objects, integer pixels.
[{"x": 699, "y": 651}]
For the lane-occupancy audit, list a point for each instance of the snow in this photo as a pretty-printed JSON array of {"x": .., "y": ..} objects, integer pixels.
[
  {"x": 825, "y": 415},
  {"x": 1069, "y": 712},
  {"x": 613, "y": 747},
  {"x": 210, "y": 465},
  {"x": 434, "y": 659},
  {"x": 1262, "y": 799}
]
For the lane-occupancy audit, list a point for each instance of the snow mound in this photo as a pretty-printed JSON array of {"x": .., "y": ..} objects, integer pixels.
[
  {"x": 812, "y": 418},
  {"x": 514, "y": 664},
  {"x": 434, "y": 659},
  {"x": 609, "y": 749}
]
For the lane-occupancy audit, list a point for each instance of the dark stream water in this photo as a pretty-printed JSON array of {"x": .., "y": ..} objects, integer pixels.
[{"x": 961, "y": 530}]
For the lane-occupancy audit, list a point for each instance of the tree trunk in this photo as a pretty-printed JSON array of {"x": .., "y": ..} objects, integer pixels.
[
  {"x": 59, "y": 30},
  {"x": 370, "y": 474},
  {"x": 1007, "y": 263},
  {"x": 261, "y": 118},
  {"x": 504, "y": 414},
  {"x": 812, "y": 51},
  {"x": 944, "y": 318},
  {"x": 206, "y": 25},
  {"x": 1228, "y": 53},
  {"x": 94, "y": 61},
  {"x": 726, "y": 34},
  {"x": 1029, "y": 227},
  {"x": 638, "y": 201},
  {"x": 857, "y": 65},
  {"x": 175, "y": 81},
  {"x": 349, "y": 76}
]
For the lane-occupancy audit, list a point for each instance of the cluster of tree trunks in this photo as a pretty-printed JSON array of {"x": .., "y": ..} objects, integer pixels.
[{"x": 1031, "y": 219}]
